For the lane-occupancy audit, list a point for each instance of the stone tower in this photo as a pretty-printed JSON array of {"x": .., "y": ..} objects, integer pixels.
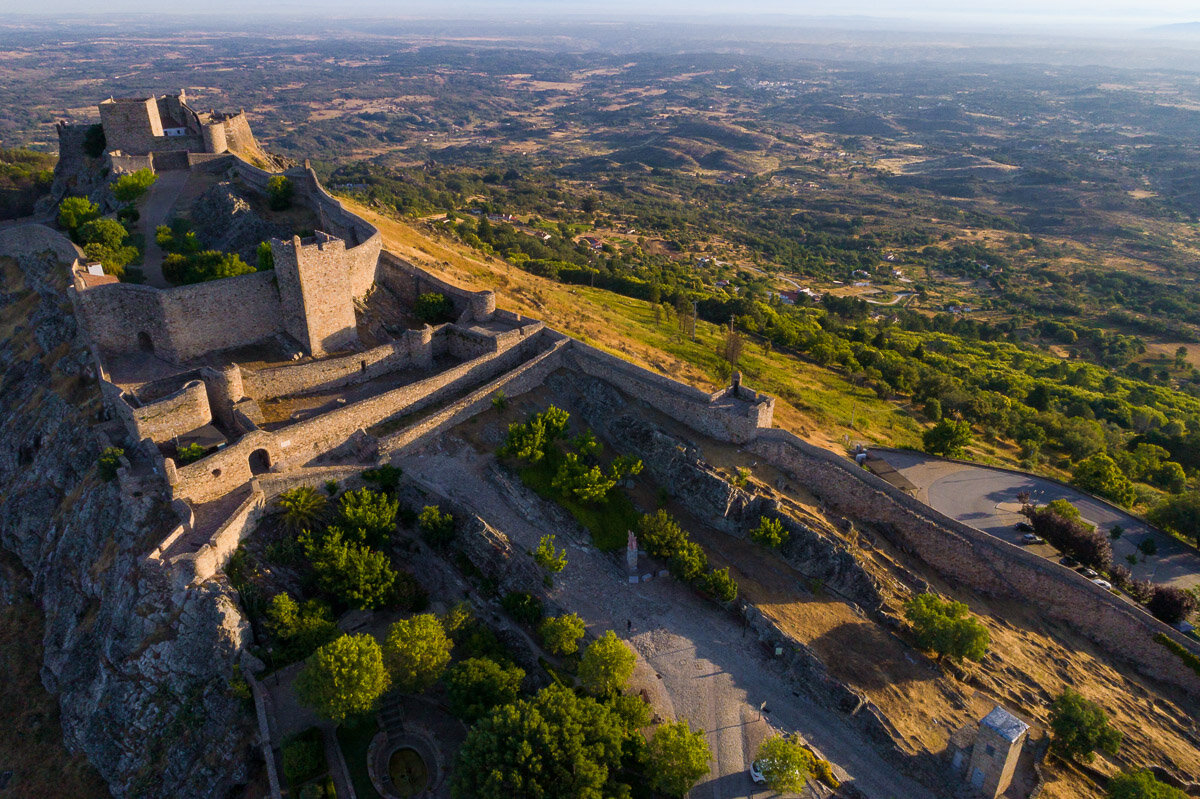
[
  {"x": 994, "y": 756},
  {"x": 314, "y": 293}
]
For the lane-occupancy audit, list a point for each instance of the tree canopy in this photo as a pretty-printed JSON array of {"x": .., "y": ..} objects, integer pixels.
[
  {"x": 301, "y": 508},
  {"x": 345, "y": 677},
  {"x": 128, "y": 188},
  {"x": 607, "y": 664},
  {"x": 949, "y": 438},
  {"x": 417, "y": 651},
  {"x": 1081, "y": 728},
  {"x": 476, "y": 685},
  {"x": 1101, "y": 476},
  {"x": 352, "y": 573},
  {"x": 946, "y": 628},
  {"x": 677, "y": 758},
  {"x": 784, "y": 763},
  {"x": 1141, "y": 785},
  {"x": 557, "y": 745},
  {"x": 561, "y": 634}
]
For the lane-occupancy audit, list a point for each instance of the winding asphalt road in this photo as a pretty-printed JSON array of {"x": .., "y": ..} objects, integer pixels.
[{"x": 986, "y": 499}]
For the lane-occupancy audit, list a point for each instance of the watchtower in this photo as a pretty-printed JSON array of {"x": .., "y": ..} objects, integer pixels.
[
  {"x": 994, "y": 757},
  {"x": 314, "y": 292}
]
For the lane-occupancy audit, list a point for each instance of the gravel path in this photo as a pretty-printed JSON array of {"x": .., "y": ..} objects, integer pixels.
[{"x": 716, "y": 676}]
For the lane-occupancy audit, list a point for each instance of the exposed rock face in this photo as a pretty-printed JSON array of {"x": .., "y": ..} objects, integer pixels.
[
  {"x": 223, "y": 220},
  {"x": 142, "y": 668},
  {"x": 78, "y": 174}
]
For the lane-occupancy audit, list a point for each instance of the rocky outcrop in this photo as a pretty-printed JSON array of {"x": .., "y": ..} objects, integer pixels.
[
  {"x": 223, "y": 220},
  {"x": 142, "y": 668},
  {"x": 78, "y": 174}
]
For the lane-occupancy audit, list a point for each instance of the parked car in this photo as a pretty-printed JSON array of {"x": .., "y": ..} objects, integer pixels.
[
  {"x": 756, "y": 773},
  {"x": 1023, "y": 527},
  {"x": 1032, "y": 538},
  {"x": 1091, "y": 574},
  {"x": 1068, "y": 561},
  {"x": 1105, "y": 584}
]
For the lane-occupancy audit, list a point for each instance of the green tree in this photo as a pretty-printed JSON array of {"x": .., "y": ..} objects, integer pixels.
[
  {"x": 949, "y": 438},
  {"x": 368, "y": 514},
  {"x": 548, "y": 557},
  {"x": 556, "y": 745},
  {"x": 785, "y": 764},
  {"x": 190, "y": 453},
  {"x": 109, "y": 461},
  {"x": 298, "y": 629},
  {"x": 769, "y": 532},
  {"x": 264, "y": 257},
  {"x": 476, "y": 685},
  {"x": 437, "y": 528},
  {"x": 433, "y": 308},
  {"x": 345, "y": 677},
  {"x": 1101, "y": 476},
  {"x": 1141, "y": 785},
  {"x": 946, "y": 627},
  {"x": 352, "y": 573},
  {"x": 1179, "y": 514},
  {"x": 128, "y": 188},
  {"x": 607, "y": 664},
  {"x": 301, "y": 508},
  {"x": 1081, "y": 728},
  {"x": 108, "y": 233},
  {"x": 418, "y": 651},
  {"x": 718, "y": 583},
  {"x": 75, "y": 212},
  {"x": 279, "y": 192},
  {"x": 530, "y": 439},
  {"x": 561, "y": 634},
  {"x": 677, "y": 758}
]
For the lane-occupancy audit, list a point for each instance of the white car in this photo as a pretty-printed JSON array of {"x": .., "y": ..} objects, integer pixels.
[
  {"x": 1105, "y": 584},
  {"x": 756, "y": 773}
]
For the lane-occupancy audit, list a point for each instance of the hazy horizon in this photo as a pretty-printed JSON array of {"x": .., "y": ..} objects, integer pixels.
[{"x": 1115, "y": 14}]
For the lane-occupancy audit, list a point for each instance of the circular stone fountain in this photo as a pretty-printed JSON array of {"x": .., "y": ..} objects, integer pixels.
[{"x": 408, "y": 772}]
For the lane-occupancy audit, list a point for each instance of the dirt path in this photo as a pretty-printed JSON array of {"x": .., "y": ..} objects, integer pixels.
[
  {"x": 716, "y": 676},
  {"x": 155, "y": 210}
]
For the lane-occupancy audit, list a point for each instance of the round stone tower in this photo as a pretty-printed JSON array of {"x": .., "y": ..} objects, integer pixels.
[
  {"x": 214, "y": 138},
  {"x": 224, "y": 388},
  {"x": 483, "y": 305}
]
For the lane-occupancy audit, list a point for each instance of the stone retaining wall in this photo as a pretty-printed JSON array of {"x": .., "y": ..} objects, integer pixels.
[
  {"x": 174, "y": 414},
  {"x": 973, "y": 558}
]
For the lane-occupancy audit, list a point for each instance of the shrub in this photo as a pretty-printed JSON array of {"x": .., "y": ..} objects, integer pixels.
[
  {"x": 607, "y": 664},
  {"x": 264, "y": 257},
  {"x": 769, "y": 533},
  {"x": 190, "y": 453},
  {"x": 948, "y": 438},
  {"x": 946, "y": 628},
  {"x": 1170, "y": 604},
  {"x": 1071, "y": 535},
  {"x": 1189, "y": 658},
  {"x": 529, "y": 440},
  {"x": 201, "y": 267},
  {"x": 548, "y": 557},
  {"x": 718, "y": 583},
  {"x": 1148, "y": 546},
  {"x": 688, "y": 561},
  {"x": 1141, "y": 785},
  {"x": 303, "y": 757},
  {"x": 433, "y": 308},
  {"x": 94, "y": 141},
  {"x": 524, "y": 608},
  {"x": 279, "y": 193},
  {"x": 75, "y": 212},
  {"x": 110, "y": 461},
  {"x": 128, "y": 188},
  {"x": 437, "y": 528},
  {"x": 1081, "y": 728},
  {"x": 385, "y": 478},
  {"x": 561, "y": 634},
  {"x": 499, "y": 400},
  {"x": 1180, "y": 514},
  {"x": 108, "y": 233}
]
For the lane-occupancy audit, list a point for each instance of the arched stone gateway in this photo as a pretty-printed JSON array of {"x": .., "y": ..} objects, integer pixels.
[{"x": 260, "y": 461}]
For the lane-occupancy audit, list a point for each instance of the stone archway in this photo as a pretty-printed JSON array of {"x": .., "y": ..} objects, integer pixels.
[
  {"x": 260, "y": 461},
  {"x": 145, "y": 343}
]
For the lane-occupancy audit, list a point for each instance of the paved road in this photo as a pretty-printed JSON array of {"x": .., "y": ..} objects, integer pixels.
[
  {"x": 712, "y": 674},
  {"x": 987, "y": 500}
]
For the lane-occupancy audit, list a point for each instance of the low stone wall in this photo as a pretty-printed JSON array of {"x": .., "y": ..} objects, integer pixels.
[
  {"x": 173, "y": 415},
  {"x": 229, "y": 468},
  {"x": 717, "y": 415},
  {"x": 364, "y": 243},
  {"x": 195, "y": 567},
  {"x": 408, "y": 282},
  {"x": 326, "y": 373},
  {"x": 974, "y": 558}
]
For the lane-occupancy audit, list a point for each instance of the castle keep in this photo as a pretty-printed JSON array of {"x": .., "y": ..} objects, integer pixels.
[{"x": 148, "y": 126}]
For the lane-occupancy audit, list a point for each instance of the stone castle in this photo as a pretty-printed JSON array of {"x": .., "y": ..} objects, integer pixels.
[{"x": 319, "y": 369}]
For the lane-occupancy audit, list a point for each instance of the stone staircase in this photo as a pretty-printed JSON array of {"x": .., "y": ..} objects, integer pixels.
[{"x": 391, "y": 716}]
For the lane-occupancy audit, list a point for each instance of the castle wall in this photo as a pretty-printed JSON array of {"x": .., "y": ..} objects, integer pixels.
[
  {"x": 225, "y": 470},
  {"x": 124, "y": 164},
  {"x": 364, "y": 243},
  {"x": 173, "y": 415},
  {"x": 308, "y": 439},
  {"x": 185, "y": 321},
  {"x": 972, "y": 557},
  {"x": 528, "y": 376},
  {"x": 733, "y": 421},
  {"x": 314, "y": 291},
  {"x": 131, "y": 125},
  {"x": 195, "y": 567},
  {"x": 281, "y": 381},
  {"x": 408, "y": 282},
  {"x": 238, "y": 137}
]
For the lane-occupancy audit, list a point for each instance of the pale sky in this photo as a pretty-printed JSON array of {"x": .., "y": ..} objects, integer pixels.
[{"x": 1087, "y": 12}]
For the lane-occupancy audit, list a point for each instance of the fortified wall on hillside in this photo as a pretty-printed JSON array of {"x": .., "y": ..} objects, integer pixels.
[{"x": 319, "y": 369}]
